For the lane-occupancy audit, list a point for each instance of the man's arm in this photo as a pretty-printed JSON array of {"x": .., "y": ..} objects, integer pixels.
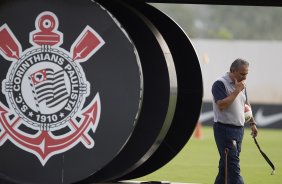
[
  {"x": 225, "y": 102},
  {"x": 253, "y": 125}
]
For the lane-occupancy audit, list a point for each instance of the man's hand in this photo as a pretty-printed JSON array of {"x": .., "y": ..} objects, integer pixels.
[
  {"x": 254, "y": 130},
  {"x": 239, "y": 85}
]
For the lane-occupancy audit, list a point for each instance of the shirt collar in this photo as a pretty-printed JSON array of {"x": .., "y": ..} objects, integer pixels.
[{"x": 227, "y": 78}]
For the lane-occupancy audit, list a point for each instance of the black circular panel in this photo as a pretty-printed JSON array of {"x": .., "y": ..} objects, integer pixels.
[
  {"x": 159, "y": 98},
  {"x": 72, "y": 88},
  {"x": 93, "y": 93},
  {"x": 190, "y": 91}
]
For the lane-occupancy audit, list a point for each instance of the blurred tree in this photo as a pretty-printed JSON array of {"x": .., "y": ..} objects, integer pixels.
[{"x": 226, "y": 22}]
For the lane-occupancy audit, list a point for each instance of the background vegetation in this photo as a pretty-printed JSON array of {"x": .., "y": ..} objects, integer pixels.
[{"x": 226, "y": 22}]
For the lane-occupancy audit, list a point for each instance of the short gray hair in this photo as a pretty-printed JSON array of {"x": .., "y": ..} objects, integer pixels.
[{"x": 236, "y": 65}]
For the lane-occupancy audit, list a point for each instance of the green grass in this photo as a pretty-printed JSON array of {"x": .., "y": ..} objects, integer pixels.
[{"x": 198, "y": 160}]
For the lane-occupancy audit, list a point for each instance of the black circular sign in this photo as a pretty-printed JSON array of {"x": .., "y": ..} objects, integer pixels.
[
  {"x": 159, "y": 97},
  {"x": 92, "y": 92},
  {"x": 189, "y": 92},
  {"x": 71, "y": 90}
]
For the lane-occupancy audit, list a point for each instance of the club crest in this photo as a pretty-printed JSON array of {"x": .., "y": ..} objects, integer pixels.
[{"x": 46, "y": 89}]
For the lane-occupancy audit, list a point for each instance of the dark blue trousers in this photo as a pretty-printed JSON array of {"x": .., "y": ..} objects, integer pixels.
[{"x": 229, "y": 137}]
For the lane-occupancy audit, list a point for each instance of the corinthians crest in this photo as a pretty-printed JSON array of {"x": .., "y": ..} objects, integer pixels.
[{"x": 46, "y": 89}]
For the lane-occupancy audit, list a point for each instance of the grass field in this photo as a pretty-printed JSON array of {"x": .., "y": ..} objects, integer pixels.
[{"x": 198, "y": 160}]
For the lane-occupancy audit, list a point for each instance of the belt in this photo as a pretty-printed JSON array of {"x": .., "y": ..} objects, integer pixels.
[{"x": 228, "y": 125}]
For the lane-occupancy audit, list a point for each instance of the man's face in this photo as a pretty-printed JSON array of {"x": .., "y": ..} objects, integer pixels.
[{"x": 242, "y": 73}]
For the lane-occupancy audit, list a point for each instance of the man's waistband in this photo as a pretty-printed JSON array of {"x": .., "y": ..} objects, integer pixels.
[{"x": 228, "y": 125}]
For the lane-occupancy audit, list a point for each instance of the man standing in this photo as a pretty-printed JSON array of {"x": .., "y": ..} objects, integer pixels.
[{"x": 229, "y": 99}]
